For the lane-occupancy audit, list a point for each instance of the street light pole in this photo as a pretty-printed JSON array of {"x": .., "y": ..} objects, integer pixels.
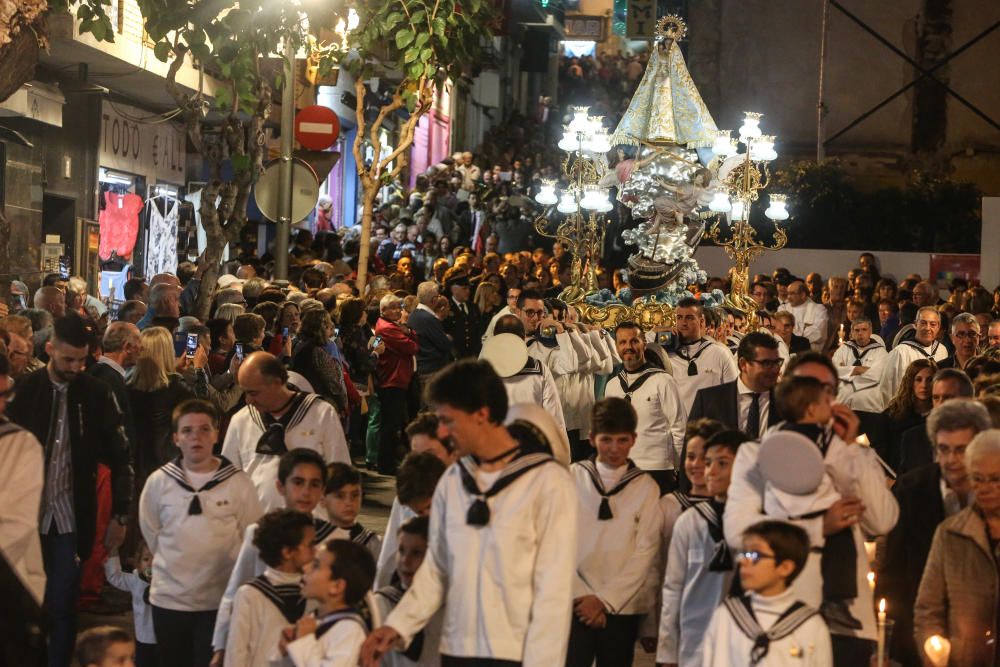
[{"x": 285, "y": 175}]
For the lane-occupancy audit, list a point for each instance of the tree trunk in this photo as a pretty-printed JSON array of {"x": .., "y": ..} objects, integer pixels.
[
  {"x": 17, "y": 62},
  {"x": 367, "y": 218}
]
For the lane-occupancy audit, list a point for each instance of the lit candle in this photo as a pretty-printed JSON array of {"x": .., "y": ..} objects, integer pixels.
[
  {"x": 863, "y": 440},
  {"x": 871, "y": 580},
  {"x": 938, "y": 650},
  {"x": 880, "y": 661}
]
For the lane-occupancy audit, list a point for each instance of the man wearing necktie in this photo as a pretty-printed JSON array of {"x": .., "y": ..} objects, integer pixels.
[{"x": 463, "y": 322}]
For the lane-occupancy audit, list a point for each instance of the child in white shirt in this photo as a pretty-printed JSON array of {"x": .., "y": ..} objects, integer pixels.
[
  {"x": 342, "y": 500},
  {"x": 136, "y": 583},
  {"x": 193, "y": 512},
  {"x": 340, "y": 575},
  {"x": 767, "y": 626},
  {"x": 266, "y": 604},
  {"x": 412, "y": 547},
  {"x": 618, "y": 538}
]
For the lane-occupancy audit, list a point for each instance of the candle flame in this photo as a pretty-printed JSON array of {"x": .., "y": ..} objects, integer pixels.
[
  {"x": 863, "y": 440},
  {"x": 871, "y": 579},
  {"x": 881, "y": 606}
]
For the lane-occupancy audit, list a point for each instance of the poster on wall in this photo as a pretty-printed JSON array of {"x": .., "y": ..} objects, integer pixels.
[
  {"x": 641, "y": 19},
  {"x": 946, "y": 267}
]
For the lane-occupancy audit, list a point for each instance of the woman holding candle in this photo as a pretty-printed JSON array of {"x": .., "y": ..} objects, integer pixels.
[{"x": 958, "y": 595}]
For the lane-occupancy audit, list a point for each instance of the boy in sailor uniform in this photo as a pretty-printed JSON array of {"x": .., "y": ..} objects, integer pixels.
[
  {"x": 412, "y": 547},
  {"x": 193, "y": 512},
  {"x": 300, "y": 484},
  {"x": 136, "y": 583},
  {"x": 338, "y": 579},
  {"x": 768, "y": 626},
  {"x": 618, "y": 537},
  {"x": 654, "y": 395},
  {"x": 342, "y": 499},
  {"x": 699, "y": 564},
  {"x": 266, "y": 604},
  {"x": 424, "y": 437},
  {"x": 500, "y": 521}
]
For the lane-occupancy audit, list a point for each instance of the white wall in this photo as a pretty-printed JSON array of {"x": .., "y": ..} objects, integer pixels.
[{"x": 828, "y": 263}]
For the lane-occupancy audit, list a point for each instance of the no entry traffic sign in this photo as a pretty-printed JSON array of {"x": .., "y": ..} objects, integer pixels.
[{"x": 316, "y": 127}]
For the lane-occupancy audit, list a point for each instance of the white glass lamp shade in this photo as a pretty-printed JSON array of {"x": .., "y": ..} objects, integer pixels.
[
  {"x": 739, "y": 211},
  {"x": 606, "y": 205},
  {"x": 567, "y": 204},
  {"x": 723, "y": 145},
  {"x": 720, "y": 203},
  {"x": 751, "y": 126},
  {"x": 778, "y": 207},
  {"x": 580, "y": 122},
  {"x": 593, "y": 198},
  {"x": 599, "y": 142},
  {"x": 547, "y": 195},
  {"x": 762, "y": 149},
  {"x": 595, "y": 124},
  {"x": 569, "y": 141}
]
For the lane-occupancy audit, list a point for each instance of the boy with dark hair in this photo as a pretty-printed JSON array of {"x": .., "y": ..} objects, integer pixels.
[
  {"x": 301, "y": 480},
  {"x": 416, "y": 479},
  {"x": 193, "y": 549},
  {"x": 137, "y": 584},
  {"x": 342, "y": 499},
  {"x": 105, "y": 646},
  {"x": 699, "y": 564},
  {"x": 512, "y": 603},
  {"x": 618, "y": 537},
  {"x": 340, "y": 575},
  {"x": 412, "y": 541},
  {"x": 767, "y": 625},
  {"x": 265, "y": 605}
]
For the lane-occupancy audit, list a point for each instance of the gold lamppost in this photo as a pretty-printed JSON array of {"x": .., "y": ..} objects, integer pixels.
[
  {"x": 743, "y": 175},
  {"x": 583, "y": 202}
]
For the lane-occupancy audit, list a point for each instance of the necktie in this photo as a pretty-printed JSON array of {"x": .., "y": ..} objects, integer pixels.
[{"x": 753, "y": 418}]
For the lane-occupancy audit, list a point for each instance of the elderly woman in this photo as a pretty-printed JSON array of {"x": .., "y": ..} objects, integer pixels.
[
  {"x": 394, "y": 371},
  {"x": 310, "y": 358},
  {"x": 958, "y": 595}
]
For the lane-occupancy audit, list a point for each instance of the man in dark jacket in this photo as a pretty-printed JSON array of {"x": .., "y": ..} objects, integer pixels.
[
  {"x": 77, "y": 420},
  {"x": 435, "y": 348},
  {"x": 926, "y": 496},
  {"x": 463, "y": 322}
]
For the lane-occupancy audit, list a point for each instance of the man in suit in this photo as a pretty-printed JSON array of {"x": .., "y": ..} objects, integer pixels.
[
  {"x": 745, "y": 403},
  {"x": 926, "y": 496},
  {"x": 435, "y": 348},
  {"x": 463, "y": 324},
  {"x": 915, "y": 448}
]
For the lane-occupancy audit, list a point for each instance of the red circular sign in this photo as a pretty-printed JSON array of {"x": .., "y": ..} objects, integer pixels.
[{"x": 316, "y": 127}]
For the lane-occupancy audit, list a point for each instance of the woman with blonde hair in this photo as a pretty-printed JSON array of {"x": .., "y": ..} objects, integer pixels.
[
  {"x": 155, "y": 389},
  {"x": 488, "y": 300},
  {"x": 230, "y": 311}
]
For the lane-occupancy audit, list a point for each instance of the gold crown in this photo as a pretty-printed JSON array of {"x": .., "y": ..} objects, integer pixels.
[{"x": 672, "y": 27}]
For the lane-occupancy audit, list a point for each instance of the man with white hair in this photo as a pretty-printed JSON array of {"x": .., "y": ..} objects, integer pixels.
[
  {"x": 435, "y": 348},
  {"x": 470, "y": 172},
  {"x": 965, "y": 337},
  {"x": 810, "y": 317},
  {"x": 923, "y": 346},
  {"x": 396, "y": 346},
  {"x": 164, "y": 301}
]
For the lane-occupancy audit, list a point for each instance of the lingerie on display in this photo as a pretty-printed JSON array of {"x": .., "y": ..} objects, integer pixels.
[{"x": 161, "y": 237}]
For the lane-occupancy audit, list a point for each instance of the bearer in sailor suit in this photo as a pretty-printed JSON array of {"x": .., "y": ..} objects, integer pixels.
[
  {"x": 859, "y": 359},
  {"x": 547, "y": 339},
  {"x": 698, "y": 361},
  {"x": 923, "y": 346},
  {"x": 768, "y": 626},
  {"x": 618, "y": 538},
  {"x": 653, "y": 393},
  {"x": 526, "y": 379}
]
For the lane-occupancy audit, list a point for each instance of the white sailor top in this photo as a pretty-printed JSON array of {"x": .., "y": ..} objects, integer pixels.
[
  {"x": 194, "y": 534},
  {"x": 618, "y": 537},
  {"x": 557, "y": 354},
  {"x": 506, "y": 585},
  {"x": 261, "y": 609},
  {"x": 423, "y": 650},
  {"x": 662, "y": 417},
  {"x": 703, "y": 363},
  {"x": 336, "y": 642},
  {"x": 534, "y": 384},
  {"x": 314, "y": 425},
  {"x": 776, "y": 631}
]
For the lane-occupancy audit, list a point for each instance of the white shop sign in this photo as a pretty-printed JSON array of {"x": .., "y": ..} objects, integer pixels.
[{"x": 154, "y": 150}]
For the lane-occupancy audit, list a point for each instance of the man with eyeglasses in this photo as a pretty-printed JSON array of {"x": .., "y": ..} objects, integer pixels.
[
  {"x": 915, "y": 449},
  {"x": 926, "y": 496},
  {"x": 866, "y": 508},
  {"x": 810, "y": 317},
  {"x": 965, "y": 337},
  {"x": 923, "y": 346},
  {"x": 547, "y": 339}
]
